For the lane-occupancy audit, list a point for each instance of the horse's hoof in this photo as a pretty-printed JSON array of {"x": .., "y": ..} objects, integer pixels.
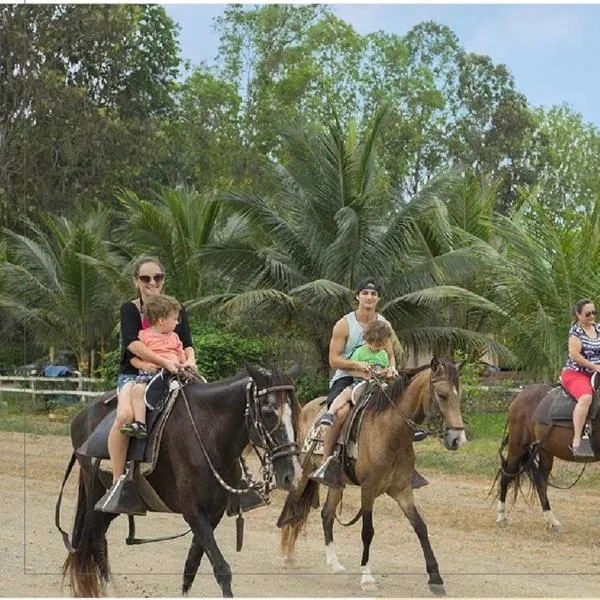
[
  {"x": 554, "y": 527},
  {"x": 437, "y": 589},
  {"x": 502, "y": 521},
  {"x": 337, "y": 568},
  {"x": 289, "y": 562},
  {"x": 369, "y": 586}
]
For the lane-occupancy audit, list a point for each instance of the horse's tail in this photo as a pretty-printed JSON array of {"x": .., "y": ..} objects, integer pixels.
[
  {"x": 295, "y": 512},
  {"x": 81, "y": 566},
  {"x": 526, "y": 465}
]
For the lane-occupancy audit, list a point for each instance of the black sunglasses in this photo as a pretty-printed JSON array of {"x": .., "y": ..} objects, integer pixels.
[
  {"x": 158, "y": 277},
  {"x": 590, "y": 313}
]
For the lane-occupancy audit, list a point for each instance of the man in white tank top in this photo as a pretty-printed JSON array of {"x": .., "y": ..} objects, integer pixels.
[{"x": 346, "y": 336}]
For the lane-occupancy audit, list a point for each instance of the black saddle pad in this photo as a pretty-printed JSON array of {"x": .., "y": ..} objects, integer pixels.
[
  {"x": 557, "y": 405},
  {"x": 156, "y": 396}
]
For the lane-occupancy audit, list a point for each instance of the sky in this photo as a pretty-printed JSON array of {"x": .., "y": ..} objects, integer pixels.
[{"x": 551, "y": 50}]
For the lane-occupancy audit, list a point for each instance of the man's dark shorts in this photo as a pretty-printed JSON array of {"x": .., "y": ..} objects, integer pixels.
[{"x": 339, "y": 385}]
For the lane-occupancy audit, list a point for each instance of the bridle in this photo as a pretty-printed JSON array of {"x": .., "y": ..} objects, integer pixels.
[
  {"x": 434, "y": 423},
  {"x": 434, "y": 419},
  {"x": 259, "y": 437}
]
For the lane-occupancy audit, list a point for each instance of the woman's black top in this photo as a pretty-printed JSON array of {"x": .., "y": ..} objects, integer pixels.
[{"x": 131, "y": 324}]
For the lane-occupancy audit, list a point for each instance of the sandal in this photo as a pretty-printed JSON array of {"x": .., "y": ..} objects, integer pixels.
[{"x": 137, "y": 429}]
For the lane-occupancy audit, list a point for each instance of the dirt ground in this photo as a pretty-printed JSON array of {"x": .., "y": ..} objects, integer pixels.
[{"x": 476, "y": 557}]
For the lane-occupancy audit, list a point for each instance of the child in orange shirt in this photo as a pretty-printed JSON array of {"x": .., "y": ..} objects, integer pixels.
[{"x": 162, "y": 313}]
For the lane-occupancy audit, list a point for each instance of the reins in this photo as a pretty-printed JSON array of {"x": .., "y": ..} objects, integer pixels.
[
  {"x": 266, "y": 442},
  {"x": 433, "y": 402}
]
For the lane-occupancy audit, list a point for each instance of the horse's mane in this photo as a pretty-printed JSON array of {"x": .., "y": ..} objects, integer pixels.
[
  {"x": 380, "y": 400},
  {"x": 222, "y": 386}
]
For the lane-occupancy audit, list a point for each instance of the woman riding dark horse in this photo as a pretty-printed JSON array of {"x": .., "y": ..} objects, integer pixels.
[{"x": 199, "y": 457}]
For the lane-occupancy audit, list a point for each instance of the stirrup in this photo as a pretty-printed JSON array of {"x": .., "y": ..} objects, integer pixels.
[
  {"x": 419, "y": 435},
  {"x": 329, "y": 473},
  {"x": 122, "y": 497},
  {"x": 584, "y": 450},
  {"x": 417, "y": 481},
  {"x": 251, "y": 500}
]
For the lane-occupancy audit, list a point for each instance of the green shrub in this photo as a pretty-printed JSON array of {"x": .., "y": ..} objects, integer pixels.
[
  {"x": 108, "y": 369},
  {"x": 220, "y": 353},
  {"x": 309, "y": 387}
]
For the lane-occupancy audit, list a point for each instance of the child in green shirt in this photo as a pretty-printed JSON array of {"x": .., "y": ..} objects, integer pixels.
[{"x": 376, "y": 336}]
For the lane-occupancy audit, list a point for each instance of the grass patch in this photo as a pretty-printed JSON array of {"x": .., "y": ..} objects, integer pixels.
[
  {"x": 24, "y": 415},
  {"x": 479, "y": 456}
]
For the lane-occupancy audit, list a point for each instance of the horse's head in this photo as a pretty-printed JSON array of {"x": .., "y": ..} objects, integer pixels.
[
  {"x": 272, "y": 415},
  {"x": 444, "y": 402}
]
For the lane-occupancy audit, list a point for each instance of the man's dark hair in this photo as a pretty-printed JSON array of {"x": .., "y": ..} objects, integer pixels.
[{"x": 369, "y": 283}]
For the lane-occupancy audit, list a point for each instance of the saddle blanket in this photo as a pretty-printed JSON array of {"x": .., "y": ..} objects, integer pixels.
[
  {"x": 557, "y": 408},
  {"x": 143, "y": 451}
]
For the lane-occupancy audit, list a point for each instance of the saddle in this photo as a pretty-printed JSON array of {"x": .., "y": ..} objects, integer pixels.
[
  {"x": 142, "y": 454},
  {"x": 348, "y": 438},
  {"x": 556, "y": 409}
]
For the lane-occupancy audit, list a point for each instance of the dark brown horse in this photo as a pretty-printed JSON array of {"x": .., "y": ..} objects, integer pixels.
[
  {"x": 386, "y": 461},
  {"x": 226, "y": 415},
  {"x": 531, "y": 448}
]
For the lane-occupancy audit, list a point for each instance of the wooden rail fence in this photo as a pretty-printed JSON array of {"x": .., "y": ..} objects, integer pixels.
[{"x": 38, "y": 386}]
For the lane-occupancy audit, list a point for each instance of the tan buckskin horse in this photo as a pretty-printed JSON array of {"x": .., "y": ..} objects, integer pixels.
[
  {"x": 385, "y": 463},
  {"x": 531, "y": 449}
]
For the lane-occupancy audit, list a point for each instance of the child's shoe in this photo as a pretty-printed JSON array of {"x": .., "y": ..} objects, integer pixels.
[{"x": 137, "y": 429}]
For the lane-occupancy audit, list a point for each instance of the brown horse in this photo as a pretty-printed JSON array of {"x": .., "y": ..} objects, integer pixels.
[
  {"x": 386, "y": 461},
  {"x": 532, "y": 446},
  {"x": 207, "y": 430}
]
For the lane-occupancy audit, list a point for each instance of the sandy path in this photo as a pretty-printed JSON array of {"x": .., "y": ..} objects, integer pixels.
[{"x": 477, "y": 559}]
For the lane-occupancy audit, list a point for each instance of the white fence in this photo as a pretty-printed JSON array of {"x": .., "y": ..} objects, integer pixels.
[{"x": 39, "y": 386}]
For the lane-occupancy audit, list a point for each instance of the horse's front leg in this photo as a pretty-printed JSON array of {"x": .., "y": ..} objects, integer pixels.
[
  {"x": 367, "y": 582},
  {"x": 334, "y": 495},
  {"x": 192, "y": 563},
  {"x": 203, "y": 531},
  {"x": 540, "y": 480},
  {"x": 406, "y": 501}
]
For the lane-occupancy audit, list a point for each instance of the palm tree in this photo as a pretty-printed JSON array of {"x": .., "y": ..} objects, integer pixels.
[
  {"x": 543, "y": 268},
  {"x": 61, "y": 280},
  {"x": 295, "y": 257}
]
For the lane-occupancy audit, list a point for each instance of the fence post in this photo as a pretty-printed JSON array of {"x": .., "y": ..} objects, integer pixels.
[
  {"x": 79, "y": 385},
  {"x": 33, "y": 373}
]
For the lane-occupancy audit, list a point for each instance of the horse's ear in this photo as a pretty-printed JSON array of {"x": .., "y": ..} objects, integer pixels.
[
  {"x": 258, "y": 373},
  {"x": 460, "y": 365},
  {"x": 295, "y": 370},
  {"x": 435, "y": 363}
]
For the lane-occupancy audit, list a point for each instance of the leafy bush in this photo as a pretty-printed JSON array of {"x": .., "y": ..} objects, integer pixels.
[
  {"x": 309, "y": 387},
  {"x": 108, "y": 369},
  {"x": 220, "y": 353}
]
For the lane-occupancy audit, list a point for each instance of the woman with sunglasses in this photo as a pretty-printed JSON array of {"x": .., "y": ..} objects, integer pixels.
[
  {"x": 149, "y": 279},
  {"x": 583, "y": 362}
]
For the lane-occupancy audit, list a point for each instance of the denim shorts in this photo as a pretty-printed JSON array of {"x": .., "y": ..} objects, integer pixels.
[{"x": 125, "y": 378}]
